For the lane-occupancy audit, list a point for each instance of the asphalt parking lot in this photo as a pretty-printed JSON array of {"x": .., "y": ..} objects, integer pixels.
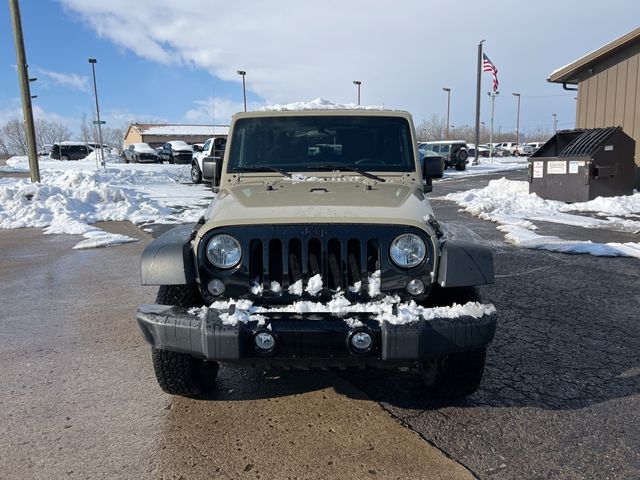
[
  {"x": 559, "y": 399},
  {"x": 562, "y": 386}
]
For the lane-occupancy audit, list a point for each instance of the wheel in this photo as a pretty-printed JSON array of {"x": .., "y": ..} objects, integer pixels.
[
  {"x": 180, "y": 373},
  {"x": 126, "y": 160},
  {"x": 196, "y": 174},
  {"x": 64, "y": 157},
  {"x": 462, "y": 155},
  {"x": 461, "y": 166},
  {"x": 454, "y": 375}
]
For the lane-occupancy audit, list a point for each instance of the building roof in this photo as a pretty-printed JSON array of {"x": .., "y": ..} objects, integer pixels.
[
  {"x": 166, "y": 129},
  {"x": 569, "y": 73}
]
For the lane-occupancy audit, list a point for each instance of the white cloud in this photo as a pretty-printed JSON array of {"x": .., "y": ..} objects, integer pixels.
[
  {"x": 224, "y": 109},
  {"x": 14, "y": 112},
  {"x": 68, "y": 80},
  {"x": 402, "y": 52}
]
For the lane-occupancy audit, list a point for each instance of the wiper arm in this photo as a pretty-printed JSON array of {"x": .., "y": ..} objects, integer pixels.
[
  {"x": 350, "y": 169},
  {"x": 267, "y": 168}
]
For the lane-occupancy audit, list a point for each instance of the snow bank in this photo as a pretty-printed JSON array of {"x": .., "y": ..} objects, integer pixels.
[
  {"x": 510, "y": 204},
  {"x": 73, "y": 195},
  {"x": 390, "y": 310}
]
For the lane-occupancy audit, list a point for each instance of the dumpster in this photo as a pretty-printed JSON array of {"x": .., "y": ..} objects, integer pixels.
[{"x": 580, "y": 165}]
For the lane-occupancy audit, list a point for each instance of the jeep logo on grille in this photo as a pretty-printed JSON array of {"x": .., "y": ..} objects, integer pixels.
[{"x": 315, "y": 232}]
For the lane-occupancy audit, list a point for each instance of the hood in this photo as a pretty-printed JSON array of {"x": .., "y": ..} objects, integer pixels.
[{"x": 319, "y": 202}]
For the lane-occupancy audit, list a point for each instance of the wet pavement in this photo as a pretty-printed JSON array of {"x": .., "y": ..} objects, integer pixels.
[
  {"x": 559, "y": 399},
  {"x": 79, "y": 398}
]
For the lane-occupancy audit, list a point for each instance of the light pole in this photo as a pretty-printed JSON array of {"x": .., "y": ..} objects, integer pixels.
[
  {"x": 448, "y": 90},
  {"x": 517, "y": 122},
  {"x": 357, "y": 83},
  {"x": 244, "y": 89},
  {"x": 93, "y": 62},
  {"x": 493, "y": 101},
  {"x": 555, "y": 122},
  {"x": 25, "y": 91},
  {"x": 453, "y": 130}
]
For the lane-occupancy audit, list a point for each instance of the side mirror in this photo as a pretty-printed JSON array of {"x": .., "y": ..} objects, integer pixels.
[
  {"x": 432, "y": 167},
  {"x": 212, "y": 169}
]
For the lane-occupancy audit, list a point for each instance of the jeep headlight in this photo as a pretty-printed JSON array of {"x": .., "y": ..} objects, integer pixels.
[
  {"x": 408, "y": 250},
  {"x": 224, "y": 251}
]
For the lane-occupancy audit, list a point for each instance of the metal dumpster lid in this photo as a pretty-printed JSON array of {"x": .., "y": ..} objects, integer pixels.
[{"x": 587, "y": 143}]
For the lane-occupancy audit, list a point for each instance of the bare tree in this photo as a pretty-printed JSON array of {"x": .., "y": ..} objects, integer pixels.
[
  {"x": 50, "y": 131},
  {"x": 431, "y": 130},
  {"x": 15, "y": 137}
]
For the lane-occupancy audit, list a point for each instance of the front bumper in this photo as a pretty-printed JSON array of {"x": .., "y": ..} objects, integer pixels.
[{"x": 310, "y": 340}]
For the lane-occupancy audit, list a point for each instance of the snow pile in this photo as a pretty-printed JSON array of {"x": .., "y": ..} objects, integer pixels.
[
  {"x": 317, "y": 104},
  {"x": 73, "y": 195},
  {"x": 509, "y": 204},
  {"x": 389, "y": 310},
  {"x": 94, "y": 157}
]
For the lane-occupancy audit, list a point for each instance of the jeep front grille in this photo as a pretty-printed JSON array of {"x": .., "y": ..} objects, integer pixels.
[{"x": 341, "y": 262}]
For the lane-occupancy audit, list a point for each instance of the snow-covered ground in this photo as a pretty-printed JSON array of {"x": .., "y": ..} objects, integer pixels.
[
  {"x": 487, "y": 166},
  {"x": 73, "y": 195},
  {"x": 509, "y": 204}
]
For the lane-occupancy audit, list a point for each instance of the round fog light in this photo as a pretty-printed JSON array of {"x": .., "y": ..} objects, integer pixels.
[
  {"x": 415, "y": 287},
  {"x": 216, "y": 287},
  {"x": 361, "y": 341},
  {"x": 264, "y": 342}
]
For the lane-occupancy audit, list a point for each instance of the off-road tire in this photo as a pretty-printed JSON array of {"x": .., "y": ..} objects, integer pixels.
[
  {"x": 196, "y": 174},
  {"x": 180, "y": 373},
  {"x": 454, "y": 375},
  {"x": 462, "y": 155},
  {"x": 461, "y": 166}
]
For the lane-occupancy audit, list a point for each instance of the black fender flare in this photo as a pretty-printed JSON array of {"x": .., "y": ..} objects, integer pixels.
[
  {"x": 169, "y": 260},
  {"x": 465, "y": 260}
]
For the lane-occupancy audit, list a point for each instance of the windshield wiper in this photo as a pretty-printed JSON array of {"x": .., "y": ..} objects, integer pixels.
[
  {"x": 349, "y": 168},
  {"x": 266, "y": 168}
]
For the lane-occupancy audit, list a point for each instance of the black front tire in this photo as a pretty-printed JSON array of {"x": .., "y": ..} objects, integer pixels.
[
  {"x": 454, "y": 375},
  {"x": 196, "y": 174},
  {"x": 461, "y": 166},
  {"x": 180, "y": 373}
]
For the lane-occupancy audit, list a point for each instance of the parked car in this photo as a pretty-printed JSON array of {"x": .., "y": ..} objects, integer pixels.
[
  {"x": 176, "y": 151},
  {"x": 482, "y": 150},
  {"x": 534, "y": 145},
  {"x": 513, "y": 149},
  {"x": 205, "y": 162},
  {"x": 455, "y": 152},
  {"x": 69, "y": 151},
  {"x": 140, "y": 152},
  {"x": 46, "y": 148},
  {"x": 367, "y": 242}
]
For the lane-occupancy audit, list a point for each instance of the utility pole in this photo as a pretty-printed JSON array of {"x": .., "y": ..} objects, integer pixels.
[
  {"x": 93, "y": 62},
  {"x": 25, "y": 91},
  {"x": 478, "y": 87},
  {"x": 555, "y": 122}
]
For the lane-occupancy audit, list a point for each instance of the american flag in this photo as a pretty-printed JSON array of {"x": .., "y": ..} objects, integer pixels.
[{"x": 487, "y": 66}]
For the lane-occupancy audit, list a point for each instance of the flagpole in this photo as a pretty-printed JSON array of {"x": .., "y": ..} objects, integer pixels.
[{"x": 478, "y": 87}]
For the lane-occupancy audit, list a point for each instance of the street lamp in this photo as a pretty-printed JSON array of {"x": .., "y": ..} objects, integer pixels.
[
  {"x": 448, "y": 90},
  {"x": 493, "y": 101},
  {"x": 517, "y": 121},
  {"x": 453, "y": 130},
  {"x": 93, "y": 62},
  {"x": 357, "y": 83},
  {"x": 555, "y": 122},
  {"x": 244, "y": 89}
]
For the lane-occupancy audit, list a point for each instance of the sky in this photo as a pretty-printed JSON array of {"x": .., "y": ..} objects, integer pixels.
[{"x": 168, "y": 61}]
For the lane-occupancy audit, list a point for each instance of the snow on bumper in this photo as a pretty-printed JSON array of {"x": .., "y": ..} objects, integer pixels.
[{"x": 316, "y": 338}]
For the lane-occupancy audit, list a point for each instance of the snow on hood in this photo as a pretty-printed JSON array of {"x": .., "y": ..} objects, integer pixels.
[
  {"x": 317, "y": 104},
  {"x": 382, "y": 310},
  {"x": 510, "y": 204}
]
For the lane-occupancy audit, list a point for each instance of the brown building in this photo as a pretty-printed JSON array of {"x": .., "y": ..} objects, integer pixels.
[
  {"x": 158, "y": 134},
  {"x": 608, "y": 83}
]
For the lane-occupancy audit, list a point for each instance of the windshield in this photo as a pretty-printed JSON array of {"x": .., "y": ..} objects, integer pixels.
[{"x": 307, "y": 143}]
